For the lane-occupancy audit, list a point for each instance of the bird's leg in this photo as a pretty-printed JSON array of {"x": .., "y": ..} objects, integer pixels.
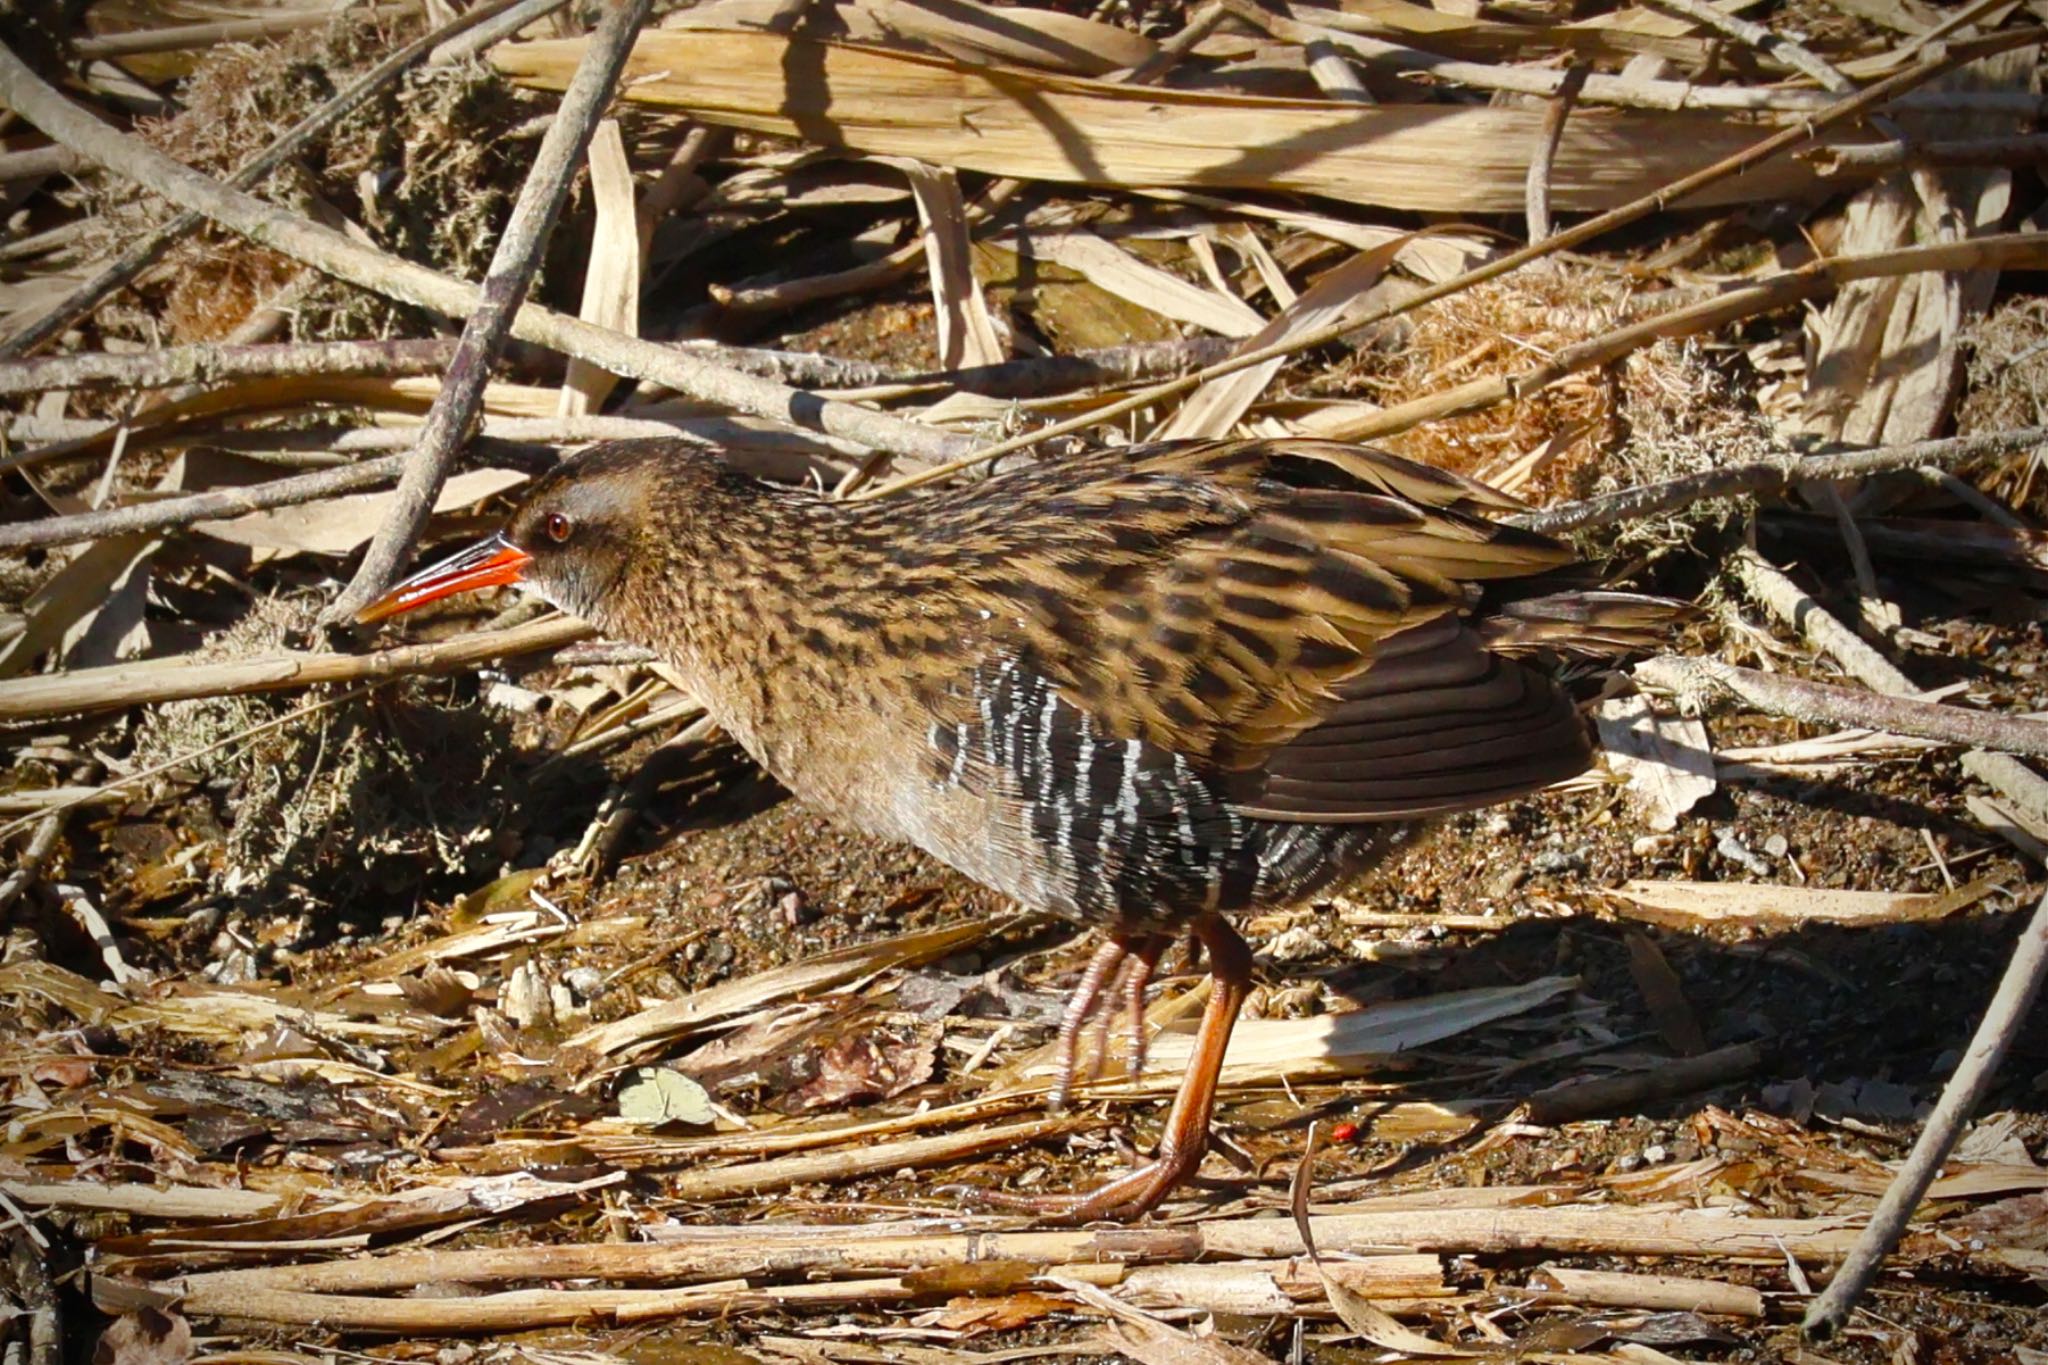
[
  {"x": 1136, "y": 977},
  {"x": 1187, "y": 1127},
  {"x": 1086, "y": 999}
]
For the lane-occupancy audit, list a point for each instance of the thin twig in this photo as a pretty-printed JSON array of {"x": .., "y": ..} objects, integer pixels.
[
  {"x": 1599, "y": 225},
  {"x": 183, "y": 37},
  {"x": 41, "y": 843},
  {"x": 1840, "y": 158},
  {"x": 1648, "y": 500},
  {"x": 1966, "y": 1088},
  {"x": 139, "y": 256},
  {"x": 217, "y": 504},
  {"x": 1027, "y": 377},
  {"x": 1697, "y": 683},
  {"x": 211, "y": 363},
  {"x": 513, "y": 263},
  {"x": 1790, "y": 603},
  {"x": 467, "y": 45},
  {"x": 186, "y": 678},
  {"x": 1795, "y": 55}
]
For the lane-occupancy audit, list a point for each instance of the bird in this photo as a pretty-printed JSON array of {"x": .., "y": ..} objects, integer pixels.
[{"x": 1143, "y": 688}]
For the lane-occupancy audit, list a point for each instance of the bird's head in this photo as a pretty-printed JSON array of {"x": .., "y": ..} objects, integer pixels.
[{"x": 575, "y": 534}]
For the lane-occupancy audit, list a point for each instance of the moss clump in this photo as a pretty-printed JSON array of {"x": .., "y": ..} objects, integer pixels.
[{"x": 373, "y": 795}]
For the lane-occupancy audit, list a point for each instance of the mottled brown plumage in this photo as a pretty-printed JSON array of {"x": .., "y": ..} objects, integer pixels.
[{"x": 1145, "y": 686}]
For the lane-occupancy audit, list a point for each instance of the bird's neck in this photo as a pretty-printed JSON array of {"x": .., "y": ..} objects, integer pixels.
[{"x": 759, "y": 604}]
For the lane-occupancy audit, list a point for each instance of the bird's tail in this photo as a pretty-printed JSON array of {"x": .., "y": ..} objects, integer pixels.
[{"x": 1586, "y": 622}]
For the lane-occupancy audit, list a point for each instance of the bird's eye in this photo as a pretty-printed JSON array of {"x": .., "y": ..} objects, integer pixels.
[{"x": 557, "y": 526}]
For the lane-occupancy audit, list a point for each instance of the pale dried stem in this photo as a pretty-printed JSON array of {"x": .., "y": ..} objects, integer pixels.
[
  {"x": 184, "y": 37},
  {"x": 183, "y": 678},
  {"x": 217, "y": 504},
  {"x": 1965, "y": 1090},
  {"x": 1875, "y": 157},
  {"x": 1795, "y": 55},
  {"x": 42, "y": 841},
  {"x": 39, "y": 162},
  {"x": 467, "y": 45},
  {"x": 212, "y": 363},
  {"x": 786, "y": 1250},
  {"x": 1791, "y": 604}
]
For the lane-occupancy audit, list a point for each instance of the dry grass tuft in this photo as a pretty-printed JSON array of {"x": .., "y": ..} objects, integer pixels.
[
  {"x": 1665, "y": 410},
  {"x": 368, "y": 797},
  {"x": 2007, "y": 388},
  {"x": 429, "y": 169}
]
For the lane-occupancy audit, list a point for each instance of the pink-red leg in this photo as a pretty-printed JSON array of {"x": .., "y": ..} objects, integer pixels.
[
  {"x": 1081, "y": 1006},
  {"x": 1137, "y": 975}
]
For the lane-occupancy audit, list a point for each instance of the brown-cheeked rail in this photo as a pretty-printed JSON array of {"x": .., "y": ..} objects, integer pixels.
[{"x": 1142, "y": 688}]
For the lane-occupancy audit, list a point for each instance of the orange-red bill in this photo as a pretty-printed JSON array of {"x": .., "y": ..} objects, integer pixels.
[{"x": 488, "y": 564}]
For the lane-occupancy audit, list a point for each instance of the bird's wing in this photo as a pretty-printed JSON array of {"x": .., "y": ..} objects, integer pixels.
[{"x": 1230, "y": 602}]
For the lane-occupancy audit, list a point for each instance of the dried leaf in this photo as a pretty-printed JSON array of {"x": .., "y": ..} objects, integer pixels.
[
  {"x": 90, "y": 609},
  {"x": 871, "y": 1066},
  {"x": 967, "y": 334},
  {"x": 340, "y": 526},
  {"x": 1668, "y": 759},
  {"x": 654, "y": 1095},
  {"x": 1110, "y": 267},
  {"x": 1665, "y": 996},
  {"x": 1215, "y": 408},
  {"x": 1041, "y": 127},
  {"x": 149, "y": 1336}
]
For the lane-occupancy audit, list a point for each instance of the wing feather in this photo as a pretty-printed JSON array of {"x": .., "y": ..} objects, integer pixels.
[{"x": 1293, "y": 616}]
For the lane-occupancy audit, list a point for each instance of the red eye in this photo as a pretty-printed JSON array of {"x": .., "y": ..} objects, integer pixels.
[{"x": 557, "y": 527}]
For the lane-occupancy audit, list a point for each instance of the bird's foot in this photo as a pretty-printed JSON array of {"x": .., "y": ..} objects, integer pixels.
[
  {"x": 1129, "y": 1196},
  {"x": 1122, "y": 965}
]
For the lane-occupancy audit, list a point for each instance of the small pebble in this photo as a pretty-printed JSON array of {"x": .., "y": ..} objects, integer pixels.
[
  {"x": 793, "y": 910},
  {"x": 1777, "y": 846},
  {"x": 1735, "y": 851},
  {"x": 1655, "y": 1154},
  {"x": 1559, "y": 860},
  {"x": 585, "y": 981}
]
